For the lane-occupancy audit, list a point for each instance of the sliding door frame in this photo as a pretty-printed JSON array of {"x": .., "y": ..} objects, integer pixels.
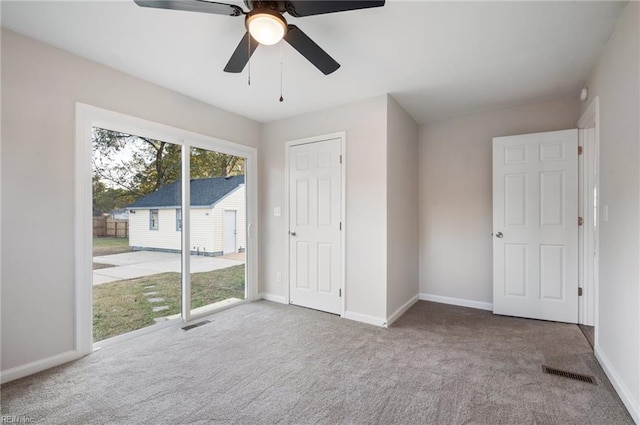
[{"x": 88, "y": 117}]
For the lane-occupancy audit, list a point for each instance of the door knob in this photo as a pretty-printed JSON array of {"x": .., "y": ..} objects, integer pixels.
[
  {"x": 499, "y": 235},
  {"x": 292, "y": 233}
]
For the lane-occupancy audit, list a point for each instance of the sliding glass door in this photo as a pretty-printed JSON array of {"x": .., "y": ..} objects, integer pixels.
[
  {"x": 170, "y": 229},
  {"x": 217, "y": 237},
  {"x": 137, "y": 267}
]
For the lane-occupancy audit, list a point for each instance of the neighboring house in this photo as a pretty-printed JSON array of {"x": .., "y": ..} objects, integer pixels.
[{"x": 217, "y": 217}]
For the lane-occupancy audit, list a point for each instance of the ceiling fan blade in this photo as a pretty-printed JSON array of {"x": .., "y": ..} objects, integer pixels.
[
  {"x": 193, "y": 6},
  {"x": 310, "y": 50},
  {"x": 241, "y": 55},
  {"x": 300, "y": 8}
]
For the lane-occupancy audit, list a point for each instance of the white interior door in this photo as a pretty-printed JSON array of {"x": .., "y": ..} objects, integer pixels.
[
  {"x": 315, "y": 185},
  {"x": 230, "y": 231},
  {"x": 535, "y": 225}
]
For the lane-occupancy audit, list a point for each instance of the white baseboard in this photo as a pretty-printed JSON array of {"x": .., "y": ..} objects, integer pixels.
[
  {"x": 376, "y": 321},
  {"x": 457, "y": 301},
  {"x": 633, "y": 406},
  {"x": 399, "y": 312},
  {"x": 275, "y": 298},
  {"x": 371, "y": 320},
  {"x": 38, "y": 366}
]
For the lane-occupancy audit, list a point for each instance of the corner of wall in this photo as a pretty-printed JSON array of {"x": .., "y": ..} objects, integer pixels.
[{"x": 402, "y": 210}]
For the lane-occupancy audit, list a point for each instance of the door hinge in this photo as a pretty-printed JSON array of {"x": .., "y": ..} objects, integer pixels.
[
  {"x": 340, "y": 225},
  {"x": 579, "y": 291},
  {"x": 579, "y": 150},
  {"x": 580, "y": 221},
  {"x": 340, "y": 159},
  {"x": 340, "y": 292}
]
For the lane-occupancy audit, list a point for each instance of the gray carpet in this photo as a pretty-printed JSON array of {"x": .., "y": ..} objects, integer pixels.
[{"x": 266, "y": 363}]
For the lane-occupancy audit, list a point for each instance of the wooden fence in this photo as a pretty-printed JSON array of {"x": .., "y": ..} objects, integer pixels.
[{"x": 109, "y": 227}]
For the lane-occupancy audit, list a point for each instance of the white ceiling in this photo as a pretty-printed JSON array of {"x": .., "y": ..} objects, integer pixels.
[{"x": 437, "y": 59}]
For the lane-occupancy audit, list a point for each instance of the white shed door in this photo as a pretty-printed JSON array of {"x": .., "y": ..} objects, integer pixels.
[
  {"x": 535, "y": 225},
  {"x": 315, "y": 185},
  {"x": 230, "y": 231}
]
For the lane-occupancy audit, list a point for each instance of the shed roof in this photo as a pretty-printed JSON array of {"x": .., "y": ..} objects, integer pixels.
[{"x": 204, "y": 193}]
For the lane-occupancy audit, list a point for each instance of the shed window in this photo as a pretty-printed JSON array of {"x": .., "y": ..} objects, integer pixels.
[
  {"x": 153, "y": 219},
  {"x": 178, "y": 219}
]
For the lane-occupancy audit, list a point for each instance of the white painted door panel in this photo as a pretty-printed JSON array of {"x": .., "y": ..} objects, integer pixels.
[
  {"x": 315, "y": 184},
  {"x": 535, "y": 224},
  {"x": 230, "y": 231}
]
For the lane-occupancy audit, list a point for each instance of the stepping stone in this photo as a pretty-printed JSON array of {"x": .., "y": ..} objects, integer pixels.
[
  {"x": 148, "y": 294},
  {"x": 160, "y": 308},
  {"x": 160, "y": 319},
  {"x": 149, "y": 286},
  {"x": 156, "y": 300}
]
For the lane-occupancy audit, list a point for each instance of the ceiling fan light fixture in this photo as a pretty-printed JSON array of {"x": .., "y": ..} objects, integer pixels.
[{"x": 266, "y": 26}]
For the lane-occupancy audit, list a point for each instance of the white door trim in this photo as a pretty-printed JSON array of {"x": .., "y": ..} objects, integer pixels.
[
  {"x": 314, "y": 139},
  {"x": 591, "y": 119}
]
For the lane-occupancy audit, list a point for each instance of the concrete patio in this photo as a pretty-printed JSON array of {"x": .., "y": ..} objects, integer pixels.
[{"x": 131, "y": 265}]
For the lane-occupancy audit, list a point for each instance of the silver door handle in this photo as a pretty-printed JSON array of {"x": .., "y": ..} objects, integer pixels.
[
  {"x": 292, "y": 233},
  {"x": 499, "y": 235}
]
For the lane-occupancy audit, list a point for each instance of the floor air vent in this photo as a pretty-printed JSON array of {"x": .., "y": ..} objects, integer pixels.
[
  {"x": 571, "y": 375},
  {"x": 195, "y": 325}
]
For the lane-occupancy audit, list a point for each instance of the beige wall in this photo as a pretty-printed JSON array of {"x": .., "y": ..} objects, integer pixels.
[
  {"x": 382, "y": 188},
  {"x": 365, "y": 124},
  {"x": 455, "y": 194},
  {"x": 40, "y": 85},
  {"x": 402, "y": 209},
  {"x": 616, "y": 81}
]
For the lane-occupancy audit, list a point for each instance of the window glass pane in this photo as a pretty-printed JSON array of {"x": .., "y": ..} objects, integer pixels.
[
  {"x": 218, "y": 229},
  {"x": 136, "y": 192},
  {"x": 153, "y": 219},
  {"x": 178, "y": 219}
]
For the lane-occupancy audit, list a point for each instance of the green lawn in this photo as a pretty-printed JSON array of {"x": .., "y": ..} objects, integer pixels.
[
  {"x": 110, "y": 246},
  {"x": 120, "y": 307}
]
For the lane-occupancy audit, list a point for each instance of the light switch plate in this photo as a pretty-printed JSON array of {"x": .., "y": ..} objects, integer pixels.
[{"x": 277, "y": 211}]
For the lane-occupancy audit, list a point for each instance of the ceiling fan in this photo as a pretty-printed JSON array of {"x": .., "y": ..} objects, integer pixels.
[{"x": 266, "y": 24}]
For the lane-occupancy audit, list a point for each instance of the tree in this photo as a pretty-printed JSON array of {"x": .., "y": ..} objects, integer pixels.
[
  {"x": 137, "y": 164},
  {"x": 205, "y": 163},
  {"x": 107, "y": 198},
  {"x": 127, "y": 167}
]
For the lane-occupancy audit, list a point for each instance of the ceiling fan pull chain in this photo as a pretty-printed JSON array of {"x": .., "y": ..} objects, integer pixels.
[
  {"x": 249, "y": 61},
  {"x": 281, "y": 98}
]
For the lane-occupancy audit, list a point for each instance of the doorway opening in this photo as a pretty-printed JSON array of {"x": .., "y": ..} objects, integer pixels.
[
  {"x": 217, "y": 260},
  {"x": 152, "y": 248},
  {"x": 136, "y": 283},
  {"x": 138, "y": 224}
]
